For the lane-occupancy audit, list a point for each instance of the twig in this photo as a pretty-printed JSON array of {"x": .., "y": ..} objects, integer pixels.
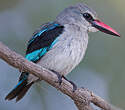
[{"x": 81, "y": 97}]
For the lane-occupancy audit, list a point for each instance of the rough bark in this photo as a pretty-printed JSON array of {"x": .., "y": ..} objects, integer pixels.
[{"x": 81, "y": 97}]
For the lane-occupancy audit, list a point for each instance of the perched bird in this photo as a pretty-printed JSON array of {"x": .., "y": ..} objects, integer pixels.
[{"x": 60, "y": 45}]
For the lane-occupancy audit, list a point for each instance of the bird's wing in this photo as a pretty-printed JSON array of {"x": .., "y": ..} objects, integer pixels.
[{"x": 42, "y": 40}]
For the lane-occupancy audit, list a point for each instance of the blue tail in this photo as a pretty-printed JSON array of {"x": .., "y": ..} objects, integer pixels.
[{"x": 20, "y": 90}]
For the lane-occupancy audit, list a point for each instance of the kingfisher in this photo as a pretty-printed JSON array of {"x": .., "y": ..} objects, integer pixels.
[{"x": 60, "y": 46}]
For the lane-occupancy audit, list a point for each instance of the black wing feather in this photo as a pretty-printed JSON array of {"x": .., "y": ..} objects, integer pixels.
[{"x": 45, "y": 39}]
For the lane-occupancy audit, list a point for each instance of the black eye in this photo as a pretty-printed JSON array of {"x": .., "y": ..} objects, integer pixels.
[{"x": 87, "y": 16}]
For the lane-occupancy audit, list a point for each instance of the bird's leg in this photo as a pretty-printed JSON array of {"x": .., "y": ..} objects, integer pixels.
[
  {"x": 73, "y": 84},
  {"x": 59, "y": 77},
  {"x": 60, "y": 80}
]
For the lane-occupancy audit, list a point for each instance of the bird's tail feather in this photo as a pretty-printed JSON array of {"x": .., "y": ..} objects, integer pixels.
[{"x": 19, "y": 91}]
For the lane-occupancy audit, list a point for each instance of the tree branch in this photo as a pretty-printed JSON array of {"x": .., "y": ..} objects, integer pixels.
[{"x": 81, "y": 97}]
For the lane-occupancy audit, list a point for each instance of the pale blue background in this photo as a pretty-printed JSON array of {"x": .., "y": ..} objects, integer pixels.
[{"x": 102, "y": 70}]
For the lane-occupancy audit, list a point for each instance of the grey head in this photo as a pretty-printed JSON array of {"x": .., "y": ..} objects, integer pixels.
[{"x": 84, "y": 17}]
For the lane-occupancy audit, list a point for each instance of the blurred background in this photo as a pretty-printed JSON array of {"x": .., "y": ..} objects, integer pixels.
[{"x": 102, "y": 70}]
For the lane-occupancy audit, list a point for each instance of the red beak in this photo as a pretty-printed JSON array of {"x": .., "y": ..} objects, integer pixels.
[{"x": 104, "y": 28}]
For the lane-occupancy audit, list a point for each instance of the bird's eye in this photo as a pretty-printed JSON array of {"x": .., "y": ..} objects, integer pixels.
[{"x": 87, "y": 16}]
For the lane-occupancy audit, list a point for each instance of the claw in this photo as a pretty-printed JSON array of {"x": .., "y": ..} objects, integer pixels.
[
  {"x": 60, "y": 80},
  {"x": 73, "y": 84},
  {"x": 59, "y": 77}
]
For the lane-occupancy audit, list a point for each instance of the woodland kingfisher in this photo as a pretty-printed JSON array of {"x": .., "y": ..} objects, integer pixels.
[{"x": 60, "y": 46}]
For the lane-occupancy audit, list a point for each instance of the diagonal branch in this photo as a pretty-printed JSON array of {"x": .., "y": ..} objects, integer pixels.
[{"x": 81, "y": 97}]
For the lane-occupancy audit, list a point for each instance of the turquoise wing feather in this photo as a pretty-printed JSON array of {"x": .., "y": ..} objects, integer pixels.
[{"x": 43, "y": 40}]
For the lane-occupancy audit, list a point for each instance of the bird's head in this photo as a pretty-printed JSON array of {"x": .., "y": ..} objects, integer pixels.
[{"x": 85, "y": 17}]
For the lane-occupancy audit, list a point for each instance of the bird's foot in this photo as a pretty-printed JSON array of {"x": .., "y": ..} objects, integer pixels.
[
  {"x": 59, "y": 77},
  {"x": 60, "y": 80},
  {"x": 71, "y": 82}
]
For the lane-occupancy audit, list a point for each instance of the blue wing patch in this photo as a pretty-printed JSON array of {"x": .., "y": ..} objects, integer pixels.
[
  {"x": 35, "y": 55},
  {"x": 43, "y": 41}
]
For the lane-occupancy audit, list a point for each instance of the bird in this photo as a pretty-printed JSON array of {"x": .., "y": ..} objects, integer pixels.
[{"x": 60, "y": 45}]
